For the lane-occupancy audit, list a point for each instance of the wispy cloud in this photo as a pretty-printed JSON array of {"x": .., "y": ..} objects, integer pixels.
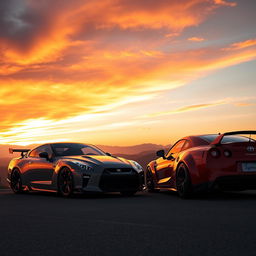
[
  {"x": 239, "y": 102},
  {"x": 241, "y": 45},
  {"x": 196, "y": 39},
  {"x": 185, "y": 109}
]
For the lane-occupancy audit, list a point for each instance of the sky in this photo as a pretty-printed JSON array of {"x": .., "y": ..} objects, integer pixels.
[{"x": 125, "y": 72}]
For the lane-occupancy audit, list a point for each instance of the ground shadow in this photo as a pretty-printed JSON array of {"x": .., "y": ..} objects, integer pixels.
[{"x": 217, "y": 195}]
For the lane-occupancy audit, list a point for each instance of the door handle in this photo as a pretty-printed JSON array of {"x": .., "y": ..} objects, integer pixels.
[{"x": 29, "y": 162}]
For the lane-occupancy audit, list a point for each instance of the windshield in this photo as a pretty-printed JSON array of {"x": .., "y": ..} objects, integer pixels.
[
  {"x": 226, "y": 139},
  {"x": 75, "y": 149}
]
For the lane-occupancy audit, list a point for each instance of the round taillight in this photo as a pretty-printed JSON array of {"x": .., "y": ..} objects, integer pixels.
[
  {"x": 227, "y": 153},
  {"x": 215, "y": 152}
]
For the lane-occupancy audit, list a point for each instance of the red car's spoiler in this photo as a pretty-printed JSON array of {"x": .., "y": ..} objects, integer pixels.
[
  {"x": 218, "y": 140},
  {"x": 22, "y": 151}
]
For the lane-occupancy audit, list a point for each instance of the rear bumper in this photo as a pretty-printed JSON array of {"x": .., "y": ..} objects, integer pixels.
[{"x": 230, "y": 182}]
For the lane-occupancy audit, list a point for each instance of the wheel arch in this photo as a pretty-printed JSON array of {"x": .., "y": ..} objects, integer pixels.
[
  {"x": 77, "y": 179},
  {"x": 10, "y": 172},
  {"x": 151, "y": 168},
  {"x": 190, "y": 163}
]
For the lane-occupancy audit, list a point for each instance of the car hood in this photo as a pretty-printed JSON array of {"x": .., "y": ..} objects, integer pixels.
[{"x": 102, "y": 160}]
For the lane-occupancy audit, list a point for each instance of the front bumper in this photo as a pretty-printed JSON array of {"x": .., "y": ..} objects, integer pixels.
[{"x": 117, "y": 180}]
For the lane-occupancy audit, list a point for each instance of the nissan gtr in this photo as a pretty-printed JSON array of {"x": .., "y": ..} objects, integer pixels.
[
  {"x": 205, "y": 163},
  {"x": 69, "y": 167}
]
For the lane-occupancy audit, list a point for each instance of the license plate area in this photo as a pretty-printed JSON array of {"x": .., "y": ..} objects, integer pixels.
[{"x": 249, "y": 166}]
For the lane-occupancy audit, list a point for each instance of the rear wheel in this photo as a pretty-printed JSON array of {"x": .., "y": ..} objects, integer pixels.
[
  {"x": 65, "y": 182},
  {"x": 16, "y": 183},
  {"x": 150, "y": 182},
  {"x": 183, "y": 182}
]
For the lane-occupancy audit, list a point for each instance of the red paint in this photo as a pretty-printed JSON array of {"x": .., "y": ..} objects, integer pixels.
[{"x": 205, "y": 166}]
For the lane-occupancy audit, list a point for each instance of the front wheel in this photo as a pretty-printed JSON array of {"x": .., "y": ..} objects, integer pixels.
[
  {"x": 65, "y": 182},
  {"x": 183, "y": 182},
  {"x": 16, "y": 183}
]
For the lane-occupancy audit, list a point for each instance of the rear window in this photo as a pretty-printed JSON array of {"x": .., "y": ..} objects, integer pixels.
[
  {"x": 233, "y": 139},
  {"x": 226, "y": 139}
]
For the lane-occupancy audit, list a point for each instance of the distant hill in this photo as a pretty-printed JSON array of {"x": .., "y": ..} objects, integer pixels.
[
  {"x": 143, "y": 158},
  {"x": 3, "y": 170},
  {"x": 130, "y": 150}
]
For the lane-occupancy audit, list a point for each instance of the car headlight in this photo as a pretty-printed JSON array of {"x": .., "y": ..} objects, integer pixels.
[
  {"x": 83, "y": 165},
  {"x": 136, "y": 166}
]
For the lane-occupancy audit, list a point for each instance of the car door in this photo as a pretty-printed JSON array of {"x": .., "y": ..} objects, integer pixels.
[
  {"x": 164, "y": 166},
  {"x": 40, "y": 170}
]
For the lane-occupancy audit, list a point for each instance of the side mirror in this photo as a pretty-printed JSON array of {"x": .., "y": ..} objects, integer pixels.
[
  {"x": 108, "y": 154},
  {"x": 161, "y": 153},
  {"x": 44, "y": 155}
]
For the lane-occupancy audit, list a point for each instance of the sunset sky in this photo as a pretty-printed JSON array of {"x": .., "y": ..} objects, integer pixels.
[{"x": 124, "y": 72}]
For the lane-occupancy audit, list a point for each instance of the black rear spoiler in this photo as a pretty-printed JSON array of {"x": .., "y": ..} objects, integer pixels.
[
  {"x": 22, "y": 151},
  {"x": 218, "y": 140}
]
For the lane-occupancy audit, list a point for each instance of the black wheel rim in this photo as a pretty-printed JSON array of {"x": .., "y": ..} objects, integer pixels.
[
  {"x": 181, "y": 180},
  {"x": 16, "y": 182},
  {"x": 65, "y": 182}
]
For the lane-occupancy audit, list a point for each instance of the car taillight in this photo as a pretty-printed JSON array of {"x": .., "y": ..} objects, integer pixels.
[
  {"x": 227, "y": 153},
  {"x": 215, "y": 152}
]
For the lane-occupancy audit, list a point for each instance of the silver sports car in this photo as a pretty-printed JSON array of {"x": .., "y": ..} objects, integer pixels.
[{"x": 69, "y": 167}]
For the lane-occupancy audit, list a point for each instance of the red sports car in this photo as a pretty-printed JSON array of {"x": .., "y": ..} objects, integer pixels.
[{"x": 205, "y": 162}]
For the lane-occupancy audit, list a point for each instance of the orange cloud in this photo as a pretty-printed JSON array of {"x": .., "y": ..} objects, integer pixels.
[
  {"x": 196, "y": 39},
  {"x": 225, "y": 3},
  {"x": 44, "y": 30}
]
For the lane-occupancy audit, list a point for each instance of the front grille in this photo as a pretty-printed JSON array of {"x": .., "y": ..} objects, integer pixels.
[
  {"x": 118, "y": 170},
  {"x": 124, "y": 180},
  {"x": 237, "y": 182}
]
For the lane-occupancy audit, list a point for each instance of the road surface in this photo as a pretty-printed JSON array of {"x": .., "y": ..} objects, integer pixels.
[{"x": 146, "y": 224}]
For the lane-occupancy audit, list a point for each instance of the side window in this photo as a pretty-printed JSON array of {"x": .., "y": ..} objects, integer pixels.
[
  {"x": 186, "y": 145},
  {"x": 33, "y": 153},
  {"x": 176, "y": 148},
  {"x": 37, "y": 151}
]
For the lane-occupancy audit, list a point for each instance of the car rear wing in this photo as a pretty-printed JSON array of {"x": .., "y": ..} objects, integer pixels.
[
  {"x": 22, "y": 151},
  {"x": 218, "y": 140}
]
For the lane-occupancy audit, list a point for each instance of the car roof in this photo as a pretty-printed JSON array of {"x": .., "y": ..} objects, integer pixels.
[{"x": 198, "y": 139}]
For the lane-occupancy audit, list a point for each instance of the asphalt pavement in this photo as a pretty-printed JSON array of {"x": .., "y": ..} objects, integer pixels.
[{"x": 146, "y": 224}]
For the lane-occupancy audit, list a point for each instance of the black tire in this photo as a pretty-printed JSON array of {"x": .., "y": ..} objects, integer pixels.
[
  {"x": 183, "y": 182},
  {"x": 150, "y": 182},
  {"x": 65, "y": 182},
  {"x": 128, "y": 193},
  {"x": 16, "y": 182}
]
